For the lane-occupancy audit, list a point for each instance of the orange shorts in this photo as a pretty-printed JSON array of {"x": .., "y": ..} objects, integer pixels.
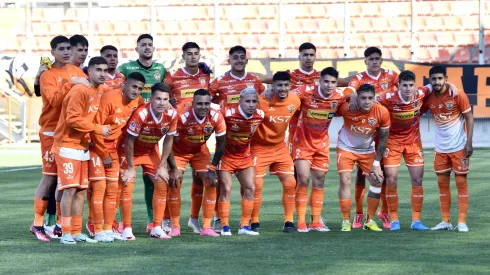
[
  {"x": 73, "y": 173},
  {"x": 346, "y": 161},
  {"x": 276, "y": 158},
  {"x": 199, "y": 161},
  {"x": 49, "y": 163},
  {"x": 232, "y": 164},
  {"x": 149, "y": 162},
  {"x": 97, "y": 171},
  {"x": 319, "y": 160},
  {"x": 412, "y": 154},
  {"x": 456, "y": 161}
]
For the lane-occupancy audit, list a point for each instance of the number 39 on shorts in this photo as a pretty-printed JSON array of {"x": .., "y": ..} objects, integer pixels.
[{"x": 68, "y": 168}]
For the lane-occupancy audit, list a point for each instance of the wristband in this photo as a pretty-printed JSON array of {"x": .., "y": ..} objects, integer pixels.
[{"x": 376, "y": 163}]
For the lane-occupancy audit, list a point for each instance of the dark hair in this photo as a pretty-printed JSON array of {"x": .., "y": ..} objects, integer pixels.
[
  {"x": 97, "y": 60},
  {"x": 437, "y": 70},
  {"x": 58, "y": 40},
  {"x": 78, "y": 39},
  {"x": 237, "y": 49},
  {"x": 201, "y": 92},
  {"x": 307, "y": 46},
  {"x": 331, "y": 71},
  {"x": 137, "y": 76},
  {"x": 406, "y": 76},
  {"x": 161, "y": 87},
  {"x": 144, "y": 36},
  {"x": 190, "y": 45},
  {"x": 369, "y": 51},
  {"x": 366, "y": 88},
  {"x": 280, "y": 76},
  {"x": 108, "y": 47}
]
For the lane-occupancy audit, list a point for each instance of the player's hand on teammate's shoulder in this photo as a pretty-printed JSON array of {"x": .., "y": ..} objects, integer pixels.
[
  {"x": 106, "y": 130},
  {"x": 80, "y": 80},
  {"x": 107, "y": 162},
  {"x": 173, "y": 102},
  {"x": 353, "y": 103},
  {"x": 453, "y": 90},
  {"x": 268, "y": 94},
  {"x": 205, "y": 68},
  {"x": 175, "y": 177}
]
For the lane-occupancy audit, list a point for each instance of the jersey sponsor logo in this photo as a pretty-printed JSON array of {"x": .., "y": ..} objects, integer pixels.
[
  {"x": 195, "y": 139},
  {"x": 405, "y": 115},
  {"x": 240, "y": 137},
  {"x": 93, "y": 108},
  {"x": 146, "y": 129},
  {"x": 361, "y": 129},
  {"x": 449, "y": 105},
  {"x": 233, "y": 98},
  {"x": 120, "y": 121},
  {"x": 291, "y": 108},
  {"x": 279, "y": 119},
  {"x": 208, "y": 129},
  {"x": 442, "y": 116},
  {"x": 149, "y": 139},
  {"x": 157, "y": 76},
  {"x": 371, "y": 121},
  {"x": 187, "y": 93},
  {"x": 320, "y": 114}
]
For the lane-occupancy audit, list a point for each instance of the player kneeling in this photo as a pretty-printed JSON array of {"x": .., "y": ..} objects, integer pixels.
[
  {"x": 146, "y": 127},
  {"x": 241, "y": 124},
  {"x": 195, "y": 126},
  {"x": 356, "y": 145}
]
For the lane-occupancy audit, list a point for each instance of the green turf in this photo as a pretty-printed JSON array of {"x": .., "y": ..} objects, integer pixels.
[{"x": 273, "y": 252}]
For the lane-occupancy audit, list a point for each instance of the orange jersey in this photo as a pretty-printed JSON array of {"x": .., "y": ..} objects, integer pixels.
[
  {"x": 277, "y": 115},
  {"x": 404, "y": 115},
  {"x": 148, "y": 129},
  {"x": 228, "y": 87},
  {"x": 113, "y": 82},
  {"x": 300, "y": 78},
  {"x": 315, "y": 116},
  {"x": 447, "y": 112},
  {"x": 193, "y": 133},
  {"x": 114, "y": 110},
  {"x": 386, "y": 81},
  {"x": 183, "y": 85},
  {"x": 77, "y": 118},
  {"x": 239, "y": 131},
  {"x": 55, "y": 84},
  {"x": 359, "y": 129}
]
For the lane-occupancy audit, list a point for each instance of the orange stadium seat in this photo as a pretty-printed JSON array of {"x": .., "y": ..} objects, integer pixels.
[
  {"x": 264, "y": 54},
  {"x": 400, "y": 24},
  {"x": 294, "y": 26},
  {"x": 355, "y": 9},
  {"x": 381, "y": 24},
  {"x": 427, "y": 40},
  {"x": 357, "y": 41},
  {"x": 269, "y": 42},
  {"x": 462, "y": 55},
  {"x": 111, "y": 40},
  {"x": 104, "y": 28},
  {"x": 404, "y": 40},
  {"x": 12, "y": 45},
  {"x": 442, "y": 8},
  {"x": 291, "y": 53},
  {"x": 229, "y": 41},
  {"x": 302, "y": 12},
  {"x": 476, "y": 56},
  {"x": 171, "y": 27},
  {"x": 41, "y": 29},
  {"x": 96, "y": 43},
  {"x": 73, "y": 28},
  {"x": 263, "y": 26},
  {"x": 188, "y": 27},
  {"x": 289, "y": 42},
  {"x": 424, "y": 8},
  {"x": 453, "y": 23},
  {"x": 225, "y": 27},
  {"x": 138, "y": 28},
  {"x": 240, "y": 27},
  {"x": 250, "y": 12},
  {"x": 311, "y": 26},
  {"x": 300, "y": 39},
  {"x": 470, "y": 23},
  {"x": 330, "y": 54},
  {"x": 420, "y": 24},
  {"x": 57, "y": 29},
  {"x": 268, "y": 12},
  {"x": 320, "y": 41},
  {"x": 127, "y": 42},
  {"x": 318, "y": 11},
  {"x": 467, "y": 39},
  {"x": 402, "y": 54},
  {"x": 465, "y": 7},
  {"x": 159, "y": 28},
  {"x": 327, "y": 25},
  {"x": 176, "y": 42},
  {"x": 37, "y": 15},
  {"x": 387, "y": 54},
  {"x": 203, "y": 13},
  {"x": 423, "y": 55},
  {"x": 445, "y": 39},
  {"x": 122, "y": 27},
  {"x": 487, "y": 39},
  {"x": 390, "y": 40},
  {"x": 441, "y": 56},
  {"x": 395, "y": 9},
  {"x": 70, "y": 15},
  {"x": 371, "y": 10},
  {"x": 373, "y": 40},
  {"x": 336, "y": 41},
  {"x": 206, "y": 27},
  {"x": 361, "y": 25},
  {"x": 434, "y": 23}
]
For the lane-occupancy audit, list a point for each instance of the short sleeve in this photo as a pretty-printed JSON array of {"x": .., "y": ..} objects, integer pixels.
[
  {"x": 172, "y": 129},
  {"x": 135, "y": 122},
  {"x": 220, "y": 128},
  {"x": 213, "y": 87},
  {"x": 463, "y": 102},
  {"x": 385, "y": 118}
]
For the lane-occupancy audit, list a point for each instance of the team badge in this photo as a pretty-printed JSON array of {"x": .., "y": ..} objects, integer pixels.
[
  {"x": 291, "y": 108},
  {"x": 157, "y": 76},
  {"x": 372, "y": 121},
  {"x": 250, "y": 85},
  {"x": 384, "y": 85},
  {"x": 416, "y": 103},
  {"x": 208, "y": 129},
  {"x": 202, "y": 80},
  {"x": 449, "y": 105},
  {"x": 334, "y": 105},
  {"x": 164, "y": 130},
  {"x": 253, "y": 128}
]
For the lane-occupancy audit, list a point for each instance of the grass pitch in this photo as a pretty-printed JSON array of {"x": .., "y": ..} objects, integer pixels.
[{"x": 273, "y": 252}]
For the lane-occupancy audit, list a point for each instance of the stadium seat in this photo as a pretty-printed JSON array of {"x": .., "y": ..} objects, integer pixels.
[
  {"x": 487, "y": 39},
  {"x": 373, "y": 40},
  {"x": 41, "y": 29},
  {"x": 203, "y": 13},
  {"x": 188, "y": 27},
  {"x": 387, "y": 53},
  {"x": 289, "y": 42},
  {"x": 250, "y": 12},
  {"x": 420, "y": 24},
  {"x": 327, "y": 25},
  {"x": 470, "y": 23},
  {"x": 250, "y": 42},
  {"x": 427, "y": 40},
  {"x": 37, "y": 15},
  {"x": 264, "y": 26},
  {"x": 294, "y": 26},
  {"x": 355, "y": 9},
  {"x": 70, "y": 15},
  {"x": 320, "y": 41},
  {"x": 462, "y": 55},
  {"x": 467, "y": 39},
  {"x": 335, "y": 11},
  {"x": 96, "y": 43},
  {"x": 390, "y": 40},
  {"x": 402, "y": 54},
  {"x": 311, "y": 26},
  {"x": 268, "y": 12},
  {"x": 423, "y": 55},
  {"x": 318, "y": 11},
  {"x": 396, "y": 9},
  {"x": 445, "y": 39},
  {"x": 302, "y": 38},
  {"x": 381, "y": 24},
  {"x": 111, "y": 40},
  {"x": 57, "y": 29},
  {"x": 240, "y": 27},
  {"x": 340, "y": 26},
  {"x": 424, "y": 8},
  {"x": 225, "y": 27},
  {"x": 400, "y": 24},
  {"x": 442, "y": 8},
  {"x": 171, "y": 27},
  {"x": 176, "y": 42},
  {"x": 104, "y": 28},
  {"x": 13, "y": 44},
  {"x": 269, "y": 42},
  {"x": 464, "y": 7},
  {"x": 206, "y": 27},
  {"x": 361, "y": 25},
  {"x": 357, "y": 41},
  {"x": 453, "y": 23},
  {"x": 229, "y": 41},
  {"x": 434, "y": 23},
  {"x": 302, "y": 11},
  {"x": 81, "y": 14},
  {"x": 476, "y": 56},
  {"x": 291, "y": 53},
  {"x": 405, "y": 40},
  {"x": 440, "y": 56},
  {"x": 73, "y": 28},
  {"x": 336, "y": 41},
  {"x": 331, "y": 53},
  {"x": 371, "y": 10},
  {"x": 138, "y": 28},
  {"x": 129, "y": 42}
]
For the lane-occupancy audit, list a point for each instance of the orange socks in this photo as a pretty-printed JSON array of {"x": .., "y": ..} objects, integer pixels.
[
  {"x": 175, "y": 204},
  {"x": 90, "y": 218},
  {"x": 216, "y": 207},
  {"x": 247, "y": 209},
  {"x": 374, "y": 194},
  {"x": 301, "y": 202},
  {"x": 316, "y": 203},
  {"x": 98, "y": 190},
  {"x": 463, "y": 197},
  {"x": 359, "y": 197},
  {"x": 110, "y": 199},
  {"x": 40, "y": 207},
  {"x": 384, "y": 204},
  {"x": 66, "y": 225},
  {"x": 417, "y": 199},
  {"x": 345, "y": 206},
  {"x": 224, "y": 212},
  {"x": 76, "y": 225},
  {"x": 288, "y": 197},
  {"x": 392, "y": 200},
  {"x": 196, "y": 199},
  {"x": 444, "y": 197},
  {"x": 166, "y": 215},
  {"x": 160, "y": 201},
  {"x": 126, "y": 203},
  {"x": 58, "y": 213},
  {"x": 209, "y": 201},
  {"x": 259, "y": 184}
]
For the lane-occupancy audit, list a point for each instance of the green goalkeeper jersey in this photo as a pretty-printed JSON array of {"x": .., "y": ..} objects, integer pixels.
[{"x": 153, "y": 74}]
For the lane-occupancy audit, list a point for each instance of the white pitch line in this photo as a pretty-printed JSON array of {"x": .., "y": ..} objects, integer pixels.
[{"x": 20, "y": 169}]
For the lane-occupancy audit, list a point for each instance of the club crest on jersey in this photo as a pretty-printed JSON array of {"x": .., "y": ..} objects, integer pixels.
[
  {"x": 157, "y": 76},
  {"x": 449, "y": 105},
  {"x": 250, "y": 85},
  {"x": 372, "y": 121},
  {"x": 164, "y": 130},
  {"x": 416, "y": 103},
  {"x": 202, "y": 80},
  {"x": 334, "y": 105},
  {"x": 384, "y": 85},
  {"x": 253, "y": 128},
  {"x": 208, "y": 129},
  {"x": 291, "y": 108}
]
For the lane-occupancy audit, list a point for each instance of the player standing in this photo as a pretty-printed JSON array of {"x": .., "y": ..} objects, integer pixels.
[
  {"x": 145, "y": 128},
  {"x": 70, "y": 148},
  {"x": 453, "y": 145},
  {"x": 79, "y": 47},
  {"x": 114, "y": 78}
]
